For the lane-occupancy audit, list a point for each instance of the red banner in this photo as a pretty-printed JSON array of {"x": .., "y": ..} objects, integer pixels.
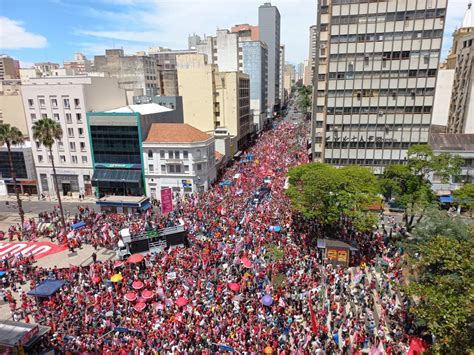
[
  {"x": 166, "y": 200},
  {"x": 39, "y": 249}
]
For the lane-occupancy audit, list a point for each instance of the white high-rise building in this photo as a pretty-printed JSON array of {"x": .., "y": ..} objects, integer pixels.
[
  {"x": 376, "y": 76},
  {"x": 67, "y": 100}
]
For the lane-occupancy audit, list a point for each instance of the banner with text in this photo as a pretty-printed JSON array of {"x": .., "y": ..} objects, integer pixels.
[{"x": 166, "y": 200}]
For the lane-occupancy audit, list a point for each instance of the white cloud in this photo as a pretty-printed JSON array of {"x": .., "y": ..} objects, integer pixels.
[
  {"x": 124, "y": 35},
  {"x": 14, "y": 36}
]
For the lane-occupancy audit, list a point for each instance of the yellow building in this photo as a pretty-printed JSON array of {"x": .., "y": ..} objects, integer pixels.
[
  {"x": 215, "y": 101},
  {"x": 11, "y": 105}
]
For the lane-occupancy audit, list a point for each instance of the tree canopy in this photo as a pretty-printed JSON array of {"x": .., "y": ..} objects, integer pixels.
[
  {"x": 327, "y": 193},
  {"x": 304, "y": 98},
  {"x": 409, "y": 183},
  {"x": 465, "y": 196}
]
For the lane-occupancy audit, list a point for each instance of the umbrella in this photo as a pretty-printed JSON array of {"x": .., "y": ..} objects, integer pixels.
[
  {"x": 96, "y": 279},
  {"x": 116, "y": 278},
  {"x": 136, "y": 285},
  {"x": 267, "y": 300},
  {"x": 3, "y": 273},
  {"x": 131, "y": 296},
  {"x": 147, "y": 294},
  {"x": 139, "y": 306},
  {"x": 109, "y": 314},
  {"x": 248, "y": 264},
  {"x": 244, "y": 260},
  {"x": 118, "y": 263},
  {"x": 181, "y": 301},
  {"x": 234, "y": 286},
  {"x": 135, "y": 258},
  {"x": 268, "y": 350}
]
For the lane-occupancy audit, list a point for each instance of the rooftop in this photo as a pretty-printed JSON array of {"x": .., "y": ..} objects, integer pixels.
[
  {"x": 175, "y": 133},
  {"x": 452, "y": 141},
  {"x": 144, "y": 109}
]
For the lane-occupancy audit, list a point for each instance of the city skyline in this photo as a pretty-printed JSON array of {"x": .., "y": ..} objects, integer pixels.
[{"x": 63, "y": 27}]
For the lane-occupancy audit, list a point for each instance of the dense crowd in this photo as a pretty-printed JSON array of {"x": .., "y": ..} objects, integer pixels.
[{"x": 240, "y": 284}]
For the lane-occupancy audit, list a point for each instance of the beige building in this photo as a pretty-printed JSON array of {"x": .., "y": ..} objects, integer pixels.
[
  {"x": 307, "y": 78},
  {"x": 67, "y": 101},
  {"x": 11, "y": 105},
  {"x": 289, "y": 77},
  {"x": 466, "y": 28},
  {"x": 281, "y": 94},
  {"x": 8, "y": 68},
  {"x": 461, "y": 110},
  {"x": 80, "y": 64},
  {"x": 214, "y": 100},
  {"x": 312, "y": 52}
]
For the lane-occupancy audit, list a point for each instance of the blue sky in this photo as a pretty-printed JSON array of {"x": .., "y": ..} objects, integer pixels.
[{"x": 53, "y": 30}]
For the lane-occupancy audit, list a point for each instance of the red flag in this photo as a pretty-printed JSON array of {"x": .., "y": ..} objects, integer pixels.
[
  {"x": 314, "y": 325},
  {"x": 417, "y": 346}
]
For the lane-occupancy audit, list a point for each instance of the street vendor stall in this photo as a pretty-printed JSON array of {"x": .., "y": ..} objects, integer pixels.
[
  {"x": 19, "y": 338},
  {"x": 335, "y": 252}
]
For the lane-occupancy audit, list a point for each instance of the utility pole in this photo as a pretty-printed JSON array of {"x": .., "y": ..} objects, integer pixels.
[{"x": 315, "y": 82}]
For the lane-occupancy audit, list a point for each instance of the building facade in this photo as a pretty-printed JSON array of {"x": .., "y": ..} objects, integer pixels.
[
  {"x": 116, "y": 138},
  {"x": 80, "y": 64},
  {"x": 289, "y": 78},
  {"x": 166, "y": 69},
  {"x": 222, "y": 50},
  {"x": 136, "y": 74},
  {"x": 9, "y": 68},
  {"x": 24, "y": 166},
  {"x": 11, "y": 105},
  {"x": 180, "y": 157},
  {"x": 311, "y": 51},
  {"x": 466, "y": 28},
  {"x": 269, "y": 32},
  {"x": 444, "y": 89},
  {"x": 67, "y": 101},
  {"x": 255, "y": 65},
  {"x": 246, "y": 32},
  {"x": 461, "y": 109},
  {"x": 281, "y": 94},
  {"x": 376, "y": 79}
]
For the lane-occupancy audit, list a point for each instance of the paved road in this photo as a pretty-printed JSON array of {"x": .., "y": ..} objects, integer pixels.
[{"x": 35, "y": 206}]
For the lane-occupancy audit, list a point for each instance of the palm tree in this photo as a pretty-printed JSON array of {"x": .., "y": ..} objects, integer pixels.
[
  {"x": 12, "y": 136},
  {"x": 47, "y": 132}
]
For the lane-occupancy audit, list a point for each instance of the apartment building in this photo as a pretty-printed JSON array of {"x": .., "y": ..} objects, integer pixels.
[
  {"x": 223, "y": 50},
  {"x": 9, "y": 68},
  {"x": 246, "y": 32},
  {"x": 67, "y": 101},
  {"x": 136, "y": 74},
  {"x": 80, "y": 64},
  {"x": 312, "y": 50},
  {"x": 377, "y": 65},
  {"x": 11, "y": 105},
  {"x": 281, "y": 92}
]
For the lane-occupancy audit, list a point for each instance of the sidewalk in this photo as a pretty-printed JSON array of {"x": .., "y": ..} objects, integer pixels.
[{"x": 49, "y": 198}]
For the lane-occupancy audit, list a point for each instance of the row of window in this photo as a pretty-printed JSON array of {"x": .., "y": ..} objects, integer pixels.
[
  {"x": 62, "y": 159},
  {"x": 369, "y": 145},
  {"x": 174, "y": 154},
  {"x": 173, "y": 168},
  {"x": 370, "y": 162},
  {"x": 54, "y": 103},
  {"x": 389, "y": 16},
  {"x": 378, "y": 110},
  {"x": 57, "y": 117},
  {"x": 387, "y": 127},
  {"x": 383, "y": 55},
  {"x": 414, "y": 73},
  {"x": 386, "y": 36},
  {"x": 72, "y": 146},
  {"x": 378, "y": 92}
]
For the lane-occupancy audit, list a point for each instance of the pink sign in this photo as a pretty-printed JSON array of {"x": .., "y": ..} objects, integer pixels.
[
  {"x": 166, "y": 200},
  {"x": 39, "y": 249}
]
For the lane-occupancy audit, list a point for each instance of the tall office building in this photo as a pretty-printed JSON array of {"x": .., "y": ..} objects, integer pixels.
[
  {"x": 461, "y": 110},
  {"x": 269, "y": 32},
  {"x": 9, "y": 68},
  {"x": 281, "y": 92},
  {"x": 312, "y": 50},
  {"x": 222, "y": 49},
  {"x": 376, "y": 77}
]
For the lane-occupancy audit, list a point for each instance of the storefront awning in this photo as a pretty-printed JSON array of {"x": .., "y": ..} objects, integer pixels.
[
  {"x": 446, "y": 199},
  {"x": 117, "y": 175}
]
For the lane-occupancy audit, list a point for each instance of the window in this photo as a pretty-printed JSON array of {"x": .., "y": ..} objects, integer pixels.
[
  {"x": 178, "y": 169},
  {"x": 42, "y": 103},
  {"x": 150, "y": 154},
  {"x": 70, "y": 132},
  {"x": 38, "y": 145},
  {"x": 84, "y": 161},
  {"x": 170, "y": 154},
  {"x": 79, "y": 118},
  {"x": 162, "y": 154},
  {"x": 81, "y": 132},
  {"x": 176, "y": 154},
  {"x": 74, "y": 159},
  {"x": 60, "y": 145},
  {"x": 44, "y": 115},
  {"x": 198, "y": 154},
  {"x": 33, "y": 116},
  {"x": 66, "y": 103},
  {"x": 68, "y": 118},
  {"x": 72, "y": 146},
  {"x": 83, "y": 146},
  {"x": 150, "y": 168},
  {"x": 62, "y": 158},
  {"x": 186, "y": 168},
  {"x": 54, "y": 103},
  {"x": 163, "y": 169},
  {"x": 185, "y": 154},
  {"x": 56, "y": 116},
  {"x": 171, "y": 167},
  {"x": 40, "y": 158},
  {"x": 77, "y": 103},
  {"x": 44, "y": 182},
  {"x": 199, "y": 167},
  {"x": 31, "y": 103}
]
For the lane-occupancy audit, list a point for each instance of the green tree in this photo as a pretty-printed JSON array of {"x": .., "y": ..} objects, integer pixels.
[
  {"x": 409, "y": 183},
  {"x": 327, "y": 193},
  {"x": 443, "y": 292},
  {"x": 10, "y": 136},
  {"x": 304, "y": 97},
  {"x": 47, "y": 132},
  {"x": 465, "y": 196}
]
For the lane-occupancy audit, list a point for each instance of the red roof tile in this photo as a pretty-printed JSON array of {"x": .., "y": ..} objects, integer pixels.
[{"x": 175, "y": 133}]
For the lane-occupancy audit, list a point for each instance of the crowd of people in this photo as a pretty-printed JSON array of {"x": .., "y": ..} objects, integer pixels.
[{"x": 241, "y": 285}]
